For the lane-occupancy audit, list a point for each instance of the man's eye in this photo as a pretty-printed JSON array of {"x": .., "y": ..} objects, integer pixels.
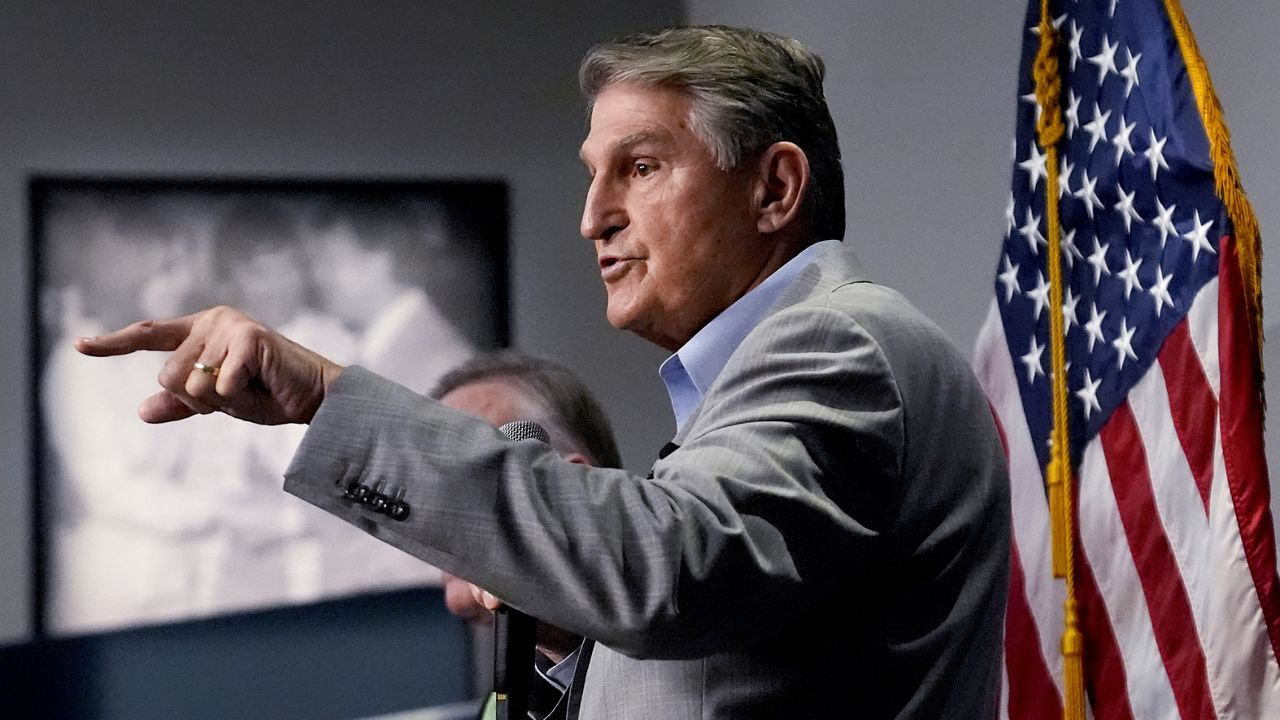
[{"x": 643, "y": 169}]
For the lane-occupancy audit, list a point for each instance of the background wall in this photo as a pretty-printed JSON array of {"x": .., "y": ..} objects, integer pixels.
[{"x": 922, "y": 92}]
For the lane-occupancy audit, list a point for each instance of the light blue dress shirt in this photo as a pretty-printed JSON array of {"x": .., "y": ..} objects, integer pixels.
[{"x": 689, "y": 373}]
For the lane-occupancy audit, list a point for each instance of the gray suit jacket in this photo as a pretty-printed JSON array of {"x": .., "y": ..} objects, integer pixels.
[{"x": 831, "y": 539}]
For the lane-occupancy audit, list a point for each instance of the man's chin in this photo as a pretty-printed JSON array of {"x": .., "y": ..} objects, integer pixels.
[{"x": 621, "y": 318}]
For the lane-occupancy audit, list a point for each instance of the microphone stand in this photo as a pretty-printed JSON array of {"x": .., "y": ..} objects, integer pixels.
[
  {"x": 512, "y": 662},
  {"x": 513, "y": 631}
]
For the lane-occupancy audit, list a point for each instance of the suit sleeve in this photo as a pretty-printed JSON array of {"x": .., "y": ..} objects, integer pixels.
[{"x": 792, "y": 461}]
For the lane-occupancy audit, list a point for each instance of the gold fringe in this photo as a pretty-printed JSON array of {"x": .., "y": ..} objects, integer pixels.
[
  {"x": 1226, "y": 175},
  {"x": 1049, "y": 132}
]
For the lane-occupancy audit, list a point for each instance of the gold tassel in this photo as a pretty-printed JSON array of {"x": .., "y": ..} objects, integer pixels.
[
  {"x": 1073, "y": 664},
  {"x": 1057, "y": 518},
  {"x": 1050, "y": 130}
]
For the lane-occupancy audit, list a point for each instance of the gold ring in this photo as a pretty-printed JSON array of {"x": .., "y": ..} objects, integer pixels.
[{"x": 207, "y": 369}]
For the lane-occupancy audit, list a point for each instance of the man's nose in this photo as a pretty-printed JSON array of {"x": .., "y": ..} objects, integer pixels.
[{"x": 603, "y": 213}]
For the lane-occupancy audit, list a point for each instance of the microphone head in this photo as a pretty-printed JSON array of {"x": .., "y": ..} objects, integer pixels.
[{"x": 525, "y": 430}]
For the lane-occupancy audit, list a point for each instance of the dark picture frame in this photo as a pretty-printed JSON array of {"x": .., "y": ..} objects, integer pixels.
[{"x": 139, "y": 525}]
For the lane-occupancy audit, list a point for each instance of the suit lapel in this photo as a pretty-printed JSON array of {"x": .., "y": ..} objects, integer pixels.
[{"x": 572, "y": 703}]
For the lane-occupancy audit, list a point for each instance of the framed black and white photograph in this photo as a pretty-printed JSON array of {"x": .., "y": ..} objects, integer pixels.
[{"x": 143, "y": 524}]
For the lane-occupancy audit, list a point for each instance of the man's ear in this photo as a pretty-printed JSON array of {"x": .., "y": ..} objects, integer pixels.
[
  {"x": 578, "y": 459},
  {"x": 782, "y": 186}
]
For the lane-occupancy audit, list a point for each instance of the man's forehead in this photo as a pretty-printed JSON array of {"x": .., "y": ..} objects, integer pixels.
[
  {"x": 629, "y": 114},
  {"x": 496, "y": 399}
]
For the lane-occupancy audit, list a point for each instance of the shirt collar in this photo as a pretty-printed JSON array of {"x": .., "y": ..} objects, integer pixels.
[{"x": 694, "y": 367}]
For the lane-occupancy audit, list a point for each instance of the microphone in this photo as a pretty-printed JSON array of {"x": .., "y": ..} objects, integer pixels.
[
  {"x": 513, "y": 631},
  {"x": 525, "y": 430}
]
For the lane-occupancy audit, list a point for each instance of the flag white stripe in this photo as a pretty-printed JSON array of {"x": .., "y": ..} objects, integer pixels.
[
  {"x": 1243, "y": 676},
  {"x": 1181, "y": 512},
  {"x": 1106, "y": 549},
  {"x": 1202, "y": 322},
  {"x": 1237, "y": 646},
  {"x": 1045, "y": 595}
]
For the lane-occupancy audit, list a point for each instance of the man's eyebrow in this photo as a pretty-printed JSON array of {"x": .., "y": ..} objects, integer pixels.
[{"x": 643, "y": 137}]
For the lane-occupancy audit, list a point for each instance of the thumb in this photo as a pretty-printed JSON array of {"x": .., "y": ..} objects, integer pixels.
[{"x": 164, "y": 407}]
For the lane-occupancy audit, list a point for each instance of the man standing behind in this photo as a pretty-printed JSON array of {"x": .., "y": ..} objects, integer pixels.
[
  {"x": 828, "y": 533},
  {"x": 503, "y": 387}
]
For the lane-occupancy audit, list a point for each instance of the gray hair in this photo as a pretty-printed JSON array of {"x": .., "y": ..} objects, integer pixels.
[
  {"x": 749, "y": 89},
  {"x": 571, "y": 413}
]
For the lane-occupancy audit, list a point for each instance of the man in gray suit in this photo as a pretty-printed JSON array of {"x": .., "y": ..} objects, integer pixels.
[{"x": 827, "y": 534}]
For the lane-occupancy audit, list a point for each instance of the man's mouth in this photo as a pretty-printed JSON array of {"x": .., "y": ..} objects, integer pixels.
[{"x": 613, "y": 267}]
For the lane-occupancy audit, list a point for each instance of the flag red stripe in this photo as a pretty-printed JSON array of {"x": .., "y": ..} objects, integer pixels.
[
  {"x": 1162, "y": 585},
  {"x": 1192, "y": 405},
  {"x": 1032, "y": 693},
  {"x": 1103, "y": 666},
  {"x": 1242, "y": 448}
]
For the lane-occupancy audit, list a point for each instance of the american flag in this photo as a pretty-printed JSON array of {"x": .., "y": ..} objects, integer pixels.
[{"x": 1175, "y": 563}]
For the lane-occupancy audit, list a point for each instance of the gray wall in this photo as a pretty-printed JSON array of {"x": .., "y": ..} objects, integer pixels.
[{"x": 317, "y": 89}]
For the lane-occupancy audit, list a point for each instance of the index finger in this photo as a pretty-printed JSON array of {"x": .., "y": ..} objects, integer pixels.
[
  {"x": 145, "y": 335},
  {"x": 485, "y": 598}
]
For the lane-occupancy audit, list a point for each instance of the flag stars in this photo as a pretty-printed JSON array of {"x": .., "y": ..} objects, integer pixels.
[
  {"x": 1035, "y": 165},
  {"x": 1130, "y": 72},
  {"x": 1031, "y": 231},
  {"x": 1064, "y": 177},
  {"x": 1088, "y": 194},
  {"x": 1098, "y": 259},
  {"x": 1088, "y": 394},
  {"x": 1031, "y": 98},
  {"x": 1094, "y": 326},
  {"x": 1077, "y": 33},
  {"x": 1070, "y": 252},
  {"x": 1073, "y": 112},
  {"x": 1160, "y": 290},
  {"x": 1033, "y": 360},
  {"x": 1111, "y": 12},
  {"x": 1121, "y": 139},
  {"x": 1057, "y": 25},
  {"x": 1125, "y": 207},
  {"x": 1105, "y": 60},
  {"x": 1009, "y": 278},
  {"x": 1039, "y": 294},
  {"x": 1155, "y": 154},
  {"x": 1069, "y": 319},
  {"x": 1130, "y": 274},
  {"x": 1198, "y": 236},
  {"x": 1124, "y": 344},
  {"x": 1097, "y": 128},
  {"x": 1164, "y": 221},
  {"x": 1009, "y": 220}
]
